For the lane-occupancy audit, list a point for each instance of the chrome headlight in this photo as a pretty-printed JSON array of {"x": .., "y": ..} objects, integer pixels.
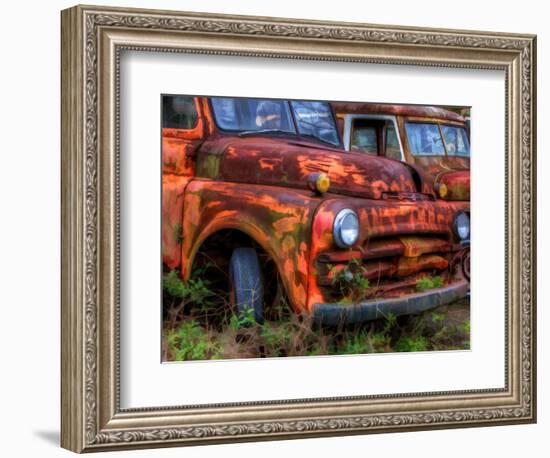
[
  {"x": 346, "y": 228},
  {"x": 461, "y": 226}
]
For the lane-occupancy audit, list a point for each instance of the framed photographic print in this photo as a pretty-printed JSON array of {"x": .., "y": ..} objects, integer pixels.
[{"x": 278, "y": 228}]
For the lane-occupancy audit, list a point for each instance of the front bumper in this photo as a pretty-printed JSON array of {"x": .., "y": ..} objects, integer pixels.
[{"x": 333, "y": 314}]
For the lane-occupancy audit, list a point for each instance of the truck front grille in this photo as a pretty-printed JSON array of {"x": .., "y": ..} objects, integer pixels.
[{"x": 389, "y": 263}]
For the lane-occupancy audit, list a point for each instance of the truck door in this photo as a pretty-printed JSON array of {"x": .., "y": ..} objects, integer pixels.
[{"x": 182, "y": 134}]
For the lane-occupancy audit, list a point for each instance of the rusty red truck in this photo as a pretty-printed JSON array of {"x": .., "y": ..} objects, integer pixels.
[
  {"x": 253, "y": 182},
  {"x": 433, "y": 139}
]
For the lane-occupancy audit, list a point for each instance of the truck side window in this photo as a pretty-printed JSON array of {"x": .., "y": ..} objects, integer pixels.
[
  {"x": 179, "y": 112},
  {"x": 364, "y": 138},
  {"x": 393, "y": 151}
]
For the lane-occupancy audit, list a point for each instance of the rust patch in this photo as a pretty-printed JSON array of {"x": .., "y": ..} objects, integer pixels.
[
  {"x": 408, "y": 266},
  {"x": 458, "y": 184},
  {"x": 415, "y": 246},
  {"x": 173, "y": 189},
  {"x": 285, "y": 163}
]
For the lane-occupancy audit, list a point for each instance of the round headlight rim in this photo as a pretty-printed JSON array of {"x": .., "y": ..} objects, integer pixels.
[
  {"x": 456, "y": 227},
  {"x": 337, "y": 226}
]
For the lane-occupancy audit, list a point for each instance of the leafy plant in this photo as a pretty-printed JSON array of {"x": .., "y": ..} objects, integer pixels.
[
  {"x": 380, "y": 342},
  {"x": 195, "y": 291},
  {"x": 357, "y": 344},
  {"x": 351, "y": 281},
  {"x": 244, "y": 319},
  {"x": 390, "y": 321},
  {"x": 407, "y": 343},
  {"x": 191, "y": 342},
  {"x": 426, "y": 283},
  {"x": 276, "y": 338}
]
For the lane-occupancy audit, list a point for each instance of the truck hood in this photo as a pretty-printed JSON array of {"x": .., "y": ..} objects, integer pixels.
[
  {"x": 454, "y": 172},
  {"x": 289, "y": 161}
]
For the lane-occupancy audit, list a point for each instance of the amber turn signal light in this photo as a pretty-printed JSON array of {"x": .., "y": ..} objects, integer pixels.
[
  {"x": 442, "y": 190},
  {"x": 318, "y": 182}
]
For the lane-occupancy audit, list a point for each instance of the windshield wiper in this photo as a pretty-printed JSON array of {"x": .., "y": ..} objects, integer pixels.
[{"x": 244, "y": 133}]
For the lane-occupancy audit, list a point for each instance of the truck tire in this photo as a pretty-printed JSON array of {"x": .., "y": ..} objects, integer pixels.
[{"x": 246, "y": 285}]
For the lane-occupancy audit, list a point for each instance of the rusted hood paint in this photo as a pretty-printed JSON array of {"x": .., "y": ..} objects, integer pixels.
[
  {"x": 288, "y": 162},
  {"x": 436, "y": 164},
  {"x": 454, "y": 172}
]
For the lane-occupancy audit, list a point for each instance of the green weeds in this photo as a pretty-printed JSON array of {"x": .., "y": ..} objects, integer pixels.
[
  {"x": 426, "y": 283},
  {"x": 199, "y": 325},
  {"x": 244, "y": 319},
  {"x": 351, "y": 282},
  {"x": 190, "y": 341},
  {"x": 407, "y": 343}
]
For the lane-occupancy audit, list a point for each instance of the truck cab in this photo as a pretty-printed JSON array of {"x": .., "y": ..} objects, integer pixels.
[{"x": 433, "y": 139}]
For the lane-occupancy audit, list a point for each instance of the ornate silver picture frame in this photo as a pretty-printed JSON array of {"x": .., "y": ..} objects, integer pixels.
[{"x": 93, "y": 39}]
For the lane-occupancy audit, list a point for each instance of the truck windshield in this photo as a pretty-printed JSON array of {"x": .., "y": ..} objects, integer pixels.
[
  {"x": 425, "y": 139},
  {"x": 262, "y": 116},
  {"x": 252, "y": 114},
  {"x": 315, "y": 119},
  {"x": 456, "y": 141}
]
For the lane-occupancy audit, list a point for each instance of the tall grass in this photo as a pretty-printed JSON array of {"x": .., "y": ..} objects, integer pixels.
[{"x": 199, "y": 324}]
